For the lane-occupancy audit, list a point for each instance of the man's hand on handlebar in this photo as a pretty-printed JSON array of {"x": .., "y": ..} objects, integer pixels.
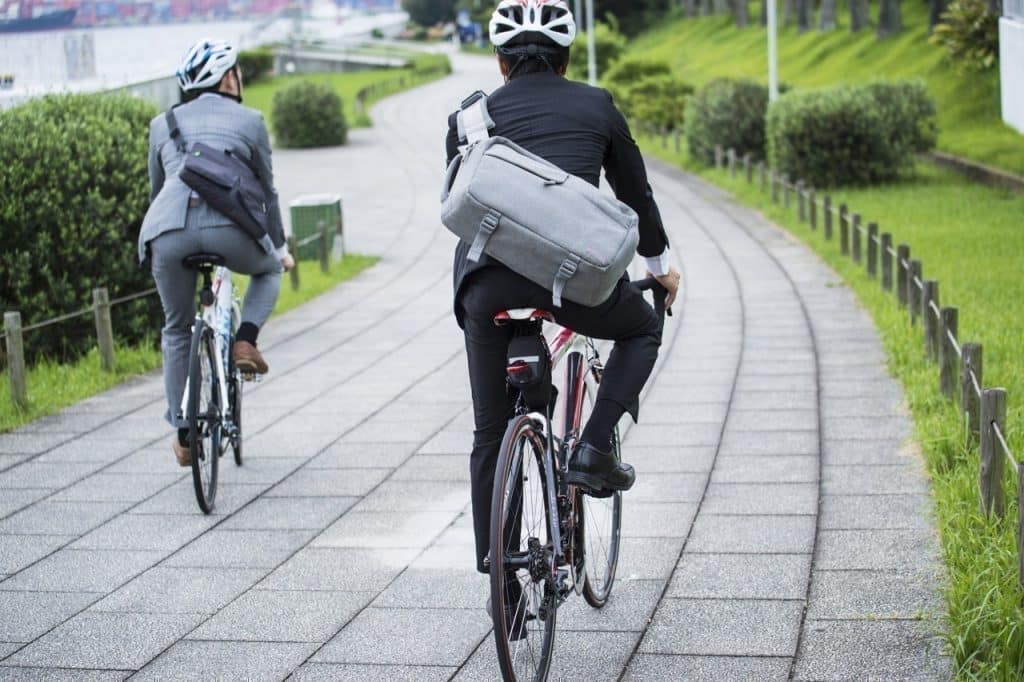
[
  {"x": 671, "y": 283},
  {"x": 287, "y": 262}
]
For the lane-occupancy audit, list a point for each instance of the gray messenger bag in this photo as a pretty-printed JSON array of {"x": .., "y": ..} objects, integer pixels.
[{"x": 551, "y": 227}]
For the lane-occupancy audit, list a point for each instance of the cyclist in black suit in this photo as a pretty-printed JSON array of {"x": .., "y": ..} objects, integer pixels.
[{"x": 578, "y": 128}]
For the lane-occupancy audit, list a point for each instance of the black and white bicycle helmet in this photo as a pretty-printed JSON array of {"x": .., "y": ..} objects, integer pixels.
[
  {"x": 205, "y": 64},
  {"x": 547, "y": 19}
]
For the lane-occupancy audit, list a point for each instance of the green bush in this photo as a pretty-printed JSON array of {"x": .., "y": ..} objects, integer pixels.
[
  {"x": 832, "y": 137},
  {"x": 623, "y": 75},
  {"x": 73, "y": 190},
  {"x": 609, "y": 45},
  {"x": 970, "y": 33},
  {"x": 658, "y": 101},
  {"x": 730, "y": 113},
  {"x": 908, "y": 112},
  {"x": 308, "y": 114},
  {"x": 257, "y": 64}
]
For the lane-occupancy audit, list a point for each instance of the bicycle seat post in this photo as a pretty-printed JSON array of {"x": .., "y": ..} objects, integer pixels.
[{"x": 206, "y": 294}]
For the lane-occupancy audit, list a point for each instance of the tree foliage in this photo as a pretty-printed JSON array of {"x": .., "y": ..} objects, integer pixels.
[
  {"x": 429, "y": 12},
  {"x": 970, "y": 33}
]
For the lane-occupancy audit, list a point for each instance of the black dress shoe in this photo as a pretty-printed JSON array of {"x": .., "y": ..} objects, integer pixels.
[{"x": 597, "y": 472}]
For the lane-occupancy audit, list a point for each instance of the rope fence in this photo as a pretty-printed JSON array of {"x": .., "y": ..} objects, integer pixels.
[{"x": 961, "y": 377}]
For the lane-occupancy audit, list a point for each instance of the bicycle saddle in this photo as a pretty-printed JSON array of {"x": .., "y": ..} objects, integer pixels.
[
  {"x": 199, "y": 260},
  {"x": 522, "y": 315}
]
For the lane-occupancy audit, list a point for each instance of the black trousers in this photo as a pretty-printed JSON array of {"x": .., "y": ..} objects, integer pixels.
[{"x": 625, "y": 318}]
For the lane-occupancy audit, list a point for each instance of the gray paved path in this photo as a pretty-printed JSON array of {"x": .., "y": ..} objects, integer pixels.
[{"x": 779, "y": 528}]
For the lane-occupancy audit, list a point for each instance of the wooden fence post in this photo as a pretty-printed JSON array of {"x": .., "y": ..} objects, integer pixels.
[
  {"x": 325, "y": 256},
  {"x": 748, "y": 169},
  {"x": 775, "y": 186},
  {"x": 801, "y": 201},
  {"x": 902, "y": 265},
  {"x": 732, "y": 162},
  {"x": 678, "y": 135},
  {"x": 873, "y": 250},
  {"x": 104, "y": 328},
  {"x": 887, "y": 261},
  {"x": 785, "y": 190},
  {"x": 855, "y": 231},
  {"x": 993, "y": 411},
  {"x": 812, "y": 204},
  {"x": 949, "y": 361},
  {"x": 970, "y": 401},
  {"x": 294, "y": 250},
  {"x": 913, "y": 291},
  {"x": 762, "y": 176},
  {"x": 664, "y": 137},
  {"x": 15, "y": 358},
  {"x": 1020, "y": 526},
  {"x": 718, "y": 157},
  {"x": 931, "y": 323},
  {"x": 844, "y": 230},
  {"x": 827, "y": 212}
]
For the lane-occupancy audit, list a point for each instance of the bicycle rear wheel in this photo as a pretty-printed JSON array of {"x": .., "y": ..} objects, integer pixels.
[
  {"x": 524, "y": 596},
  {"x": 601, "y": 520},
  {"x": 204, "y": 416}
]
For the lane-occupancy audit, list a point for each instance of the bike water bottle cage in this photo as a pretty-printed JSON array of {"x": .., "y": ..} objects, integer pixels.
[{"x": 529, "y": 370}]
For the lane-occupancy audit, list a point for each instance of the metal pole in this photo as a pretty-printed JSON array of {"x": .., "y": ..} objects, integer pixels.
[
  {"x": 773, "y": 53},
  {"x": 578, "y": 11},
  {"x": 591, "y": 45}
]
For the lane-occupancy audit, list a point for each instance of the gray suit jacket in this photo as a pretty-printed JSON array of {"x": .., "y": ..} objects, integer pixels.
[{"x": 221, "y": 123}]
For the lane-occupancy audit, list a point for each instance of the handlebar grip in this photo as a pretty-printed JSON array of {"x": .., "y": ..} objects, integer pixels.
[{"x": 660, "y": 294}]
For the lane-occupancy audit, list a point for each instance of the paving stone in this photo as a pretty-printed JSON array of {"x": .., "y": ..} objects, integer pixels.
[
  {"x": 629, "y": 607},
  {"x": 105, "y": 640},
  {"x": 31, "y": 442},
  {"x": 83, "y": 570},
  {"x": 647, "y": 558},
  {"x": 684, "y": 434},
  {"x": 415, "y": 636},
  {"x": 761, "y": 499},
  {"x": 773, "y": 420},
  {"x": 872, "y": 480},
  {"x": 869, "y": 452},
  {"x": 879, "y": 650},
  {"x": 707, "y": 668},
  {"x": 385, "y": 529},
  {"x": 190, "y": 660},
  {"x": 462, "y": 588},
  {"x": 848, "y": 512},
  {"x": 28, "y": 615},
  {"x": 596, "y": 656},
  {"x": 874, "y": 595},
  {"x": 769, "y": 443},
  {"x": 724, "y": 627},
  {"x": 434, "y": 468},
  {"x": 261, "y": 470},
  {"x": 674, "y": 413},
  {"x": 104, "y": 487},
  {"x": 448, "y": 442},
  {"x": 172, "y": 590},
  {"x": 352, "y": 455},
  {"x": 896, "y": 427},
  {"x": 883, "y": 388},
  {"x": 885, "y": 406},
  {"x": 767, "y": 382},
  {"x": 306, "y": 445},
  {"x": 94, "y": 449},
  {"x": 655, "y": 460},
  {"x": 413, "y": 496},
  {"x": 752, "y": 534},
  {"x": 8, "y": 461},
  {"x": 766, "y": 469},
  {"x": 35, "y": 474},
  {"x": 875, "y": 549},
  {"x": 781, "y": 401},
  {"x": 741, "y": 576},
  {"x": 329, "y": 483},
  {"x": 60, "y": 518},
  {"x": 129, "y": 531},
  {"x": 284, "y": 513},
  {"x": 341, "y": 672},
  {"x": 12, "y": 674},
  {"x": 19, "y": 551},
  {"x": 180, "y": 499},
  {"x": 664, "y": 487},
  {"x": 658, "y": 519},
  {"x": 13, "y": 500},
  {"x": 329, "y": 568},
  {"x": 240, "y": 549}
]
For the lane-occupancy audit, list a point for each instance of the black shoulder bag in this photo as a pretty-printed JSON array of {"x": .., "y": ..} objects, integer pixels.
[{"x": 227, "y": 181}]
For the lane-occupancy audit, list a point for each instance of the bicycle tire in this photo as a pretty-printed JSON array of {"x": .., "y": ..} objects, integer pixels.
[
  {"x": 204, "y": 416},
  {"x": 601, "y": 522},
  {"x": 235, "y": 384},
  {"x": 520, "y": 515}
]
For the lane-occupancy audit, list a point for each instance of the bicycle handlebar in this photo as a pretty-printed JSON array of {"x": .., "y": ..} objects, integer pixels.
[{"x": 660, "y": 294}]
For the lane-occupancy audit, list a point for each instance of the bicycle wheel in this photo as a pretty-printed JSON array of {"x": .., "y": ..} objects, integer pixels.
[
  {"x": 601, "y": 522},
  {"x": 235, "y": 387},
  {"x": 204, "y": 416},
  {"x": 524, "y": 596}
]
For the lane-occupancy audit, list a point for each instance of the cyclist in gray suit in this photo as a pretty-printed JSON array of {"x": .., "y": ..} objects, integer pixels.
[{"x": 179, "y": 223}]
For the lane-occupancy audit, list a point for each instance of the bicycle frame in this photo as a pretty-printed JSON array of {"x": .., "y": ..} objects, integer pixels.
[{"x": 218, "y": 318}]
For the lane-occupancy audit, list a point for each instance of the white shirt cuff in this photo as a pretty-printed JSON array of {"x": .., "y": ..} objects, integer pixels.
[
  {"x": 281, "y": 251},
  {"x": 658, "y": 265}
]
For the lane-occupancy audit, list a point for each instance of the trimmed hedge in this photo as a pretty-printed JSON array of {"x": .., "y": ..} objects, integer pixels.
[
  {"x": 908, "y": 112},
  {"x": 730, "y": 113},
  {"x": 256, "y": 65},
  {"x": 307, "y": 115},
  {"x": 609, "y": 45},
  {"x": 658, "y": 101},
  {"x": 74, "y": 187},
  {"x": 626, "y": 74}
]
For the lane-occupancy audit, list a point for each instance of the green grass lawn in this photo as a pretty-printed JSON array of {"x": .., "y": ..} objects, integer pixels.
[
  {"x": 968, "y": 104},
  {"x": 261, "y": 95},
  {"x": 969, "y": 239},
  {"x": 53, "y": 386}
]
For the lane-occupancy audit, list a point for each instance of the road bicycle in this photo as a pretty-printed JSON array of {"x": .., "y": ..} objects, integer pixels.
[
  {"x": 212, "y": 401},
  {"x": 548, "y": 539}
]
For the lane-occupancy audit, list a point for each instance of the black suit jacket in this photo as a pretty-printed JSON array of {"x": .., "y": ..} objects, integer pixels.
[{"x": 578, "y": 128}]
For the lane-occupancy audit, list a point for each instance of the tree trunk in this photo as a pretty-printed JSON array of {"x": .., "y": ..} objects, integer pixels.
[
  {"x": 827, "y": 22},
  {"x": 859, "y": 17},
  {"x": 692, "y": 8},
  {"x": 935, "y": 10},
  {"x": 742, "y": 11},
  {"x": 788, "y": 12},
  {"x": 803, "y": 15},
  {"x": 721, "y": 6},
  {"x": 890, "y": 20},
  {"x": 706, "y": 9},
  {"x": 764, "y": 12}
]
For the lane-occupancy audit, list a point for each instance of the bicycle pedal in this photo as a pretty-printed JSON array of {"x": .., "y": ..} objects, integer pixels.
[{"x": 251, "y": 377}]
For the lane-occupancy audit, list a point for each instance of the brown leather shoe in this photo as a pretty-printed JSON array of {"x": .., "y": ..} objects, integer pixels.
[
  {"x": 248, "y": 358},
  {"x": 181, "y": 453}
]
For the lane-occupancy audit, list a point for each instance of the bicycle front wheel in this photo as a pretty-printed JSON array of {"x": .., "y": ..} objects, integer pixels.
[
  {"x": 204, "y": 416},
  {"x": 524, "y": 596}
]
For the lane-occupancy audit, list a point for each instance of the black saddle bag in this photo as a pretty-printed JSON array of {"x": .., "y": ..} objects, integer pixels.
[{"x": 529, "y": 370}]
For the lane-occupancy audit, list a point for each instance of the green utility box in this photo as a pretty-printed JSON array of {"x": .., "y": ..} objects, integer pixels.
[{"x": 311, "y": 211}]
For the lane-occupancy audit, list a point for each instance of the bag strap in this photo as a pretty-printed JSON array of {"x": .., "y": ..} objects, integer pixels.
[
  {"x": 487, "y": 228},
  {"x": 565, "y": 272},
  {"x": 174, "y": 130},
  {"x": 474, "y": 121}
]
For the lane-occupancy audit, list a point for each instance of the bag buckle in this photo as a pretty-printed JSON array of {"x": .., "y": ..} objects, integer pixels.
[
  {"x": 565, "y": 272},
  {"x": 488, "y": 225}
]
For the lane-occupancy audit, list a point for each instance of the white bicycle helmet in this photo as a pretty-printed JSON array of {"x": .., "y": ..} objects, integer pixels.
[
  {"x": 551, "y": 19},
  {"x": 205, "y": 64}
]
